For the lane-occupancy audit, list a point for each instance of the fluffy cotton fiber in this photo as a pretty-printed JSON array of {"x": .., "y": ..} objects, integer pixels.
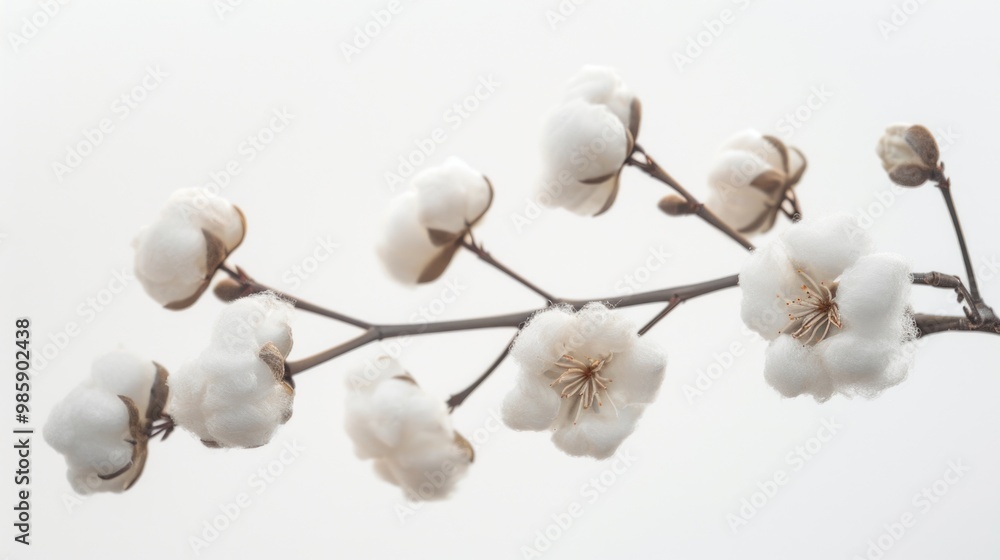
[
  {"x": 425, "y": 223},
  {"x": 867, "y": 353},
  {"x": 90, "y": 426},
  {"x": 229, "y": 396},
  {"x": 172, "y": 253},
  {"x": 586, "y": 141},
  {"x": 633, "y": 368},
  {"x": 406, "y": 432}
]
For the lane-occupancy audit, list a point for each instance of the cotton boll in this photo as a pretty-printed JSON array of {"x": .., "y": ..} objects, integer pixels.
[
  {"x": 586, "y": 140},
  {"x": 177, "y": 254},
  {"x": 91, "y": 426},
  {"x": 826, "y": 246},
  {"x": 733, "y": 199},
  {"x": 426, "y": 225},
  {"x": 230, "y": 396},
  {"x": 874, "y": 293},
  {"x": 407, "y": 432},
  {"x": 451, "y": 195},
  {"x": 571, "y": 365},
  {"x": 793, "y": 369}
]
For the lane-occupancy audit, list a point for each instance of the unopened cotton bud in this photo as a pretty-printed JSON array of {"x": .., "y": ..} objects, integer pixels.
[
  {"x": 229, "y": 290},
  {"x": 675, "y": 205},
  {"x": 909, "y": 154}
]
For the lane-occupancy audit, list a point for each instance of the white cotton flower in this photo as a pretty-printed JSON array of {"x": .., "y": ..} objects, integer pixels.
[
  {"x": 751, "y": 179},
  {"x": 586, "y": 141},
  {"x": 94, "y": 428},
  {"x": 235, "y": 393},
  {"x": 909, "y": 154},
  {"x": 425, "y": 225},
  {"x": 585, "y": 375},
  {"x": 834, "y": 311},
  {"x": 405, "y": 431},
  {"x": 176, "y": 256}
]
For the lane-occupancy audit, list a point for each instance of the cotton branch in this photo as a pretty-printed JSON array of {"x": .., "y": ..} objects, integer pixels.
[
  {"x": 653, "y": 169},
  {"x": 511, "y": 320}
]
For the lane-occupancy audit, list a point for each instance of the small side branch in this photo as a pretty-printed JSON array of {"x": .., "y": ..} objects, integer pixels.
[
  {"x": 248, "y": 286},
  {"x": 479, "y": 251},
  {"x": 653, "y": 169},
  {"x": 457, "y": 399},
  {"x": 950, "y": 282},
  {"x": 931, "y": 324}
]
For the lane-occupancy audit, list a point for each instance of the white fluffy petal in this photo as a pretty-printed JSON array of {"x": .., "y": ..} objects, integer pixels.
[
  {"x": 598, "y": 435},
  {"x": 766, "y": 281},
  {"x": 859, "y": 365},
  {"x": 825, "y": 247},
  {"x": 873, "y": 295},
  {"x": 794, "y": 369}
]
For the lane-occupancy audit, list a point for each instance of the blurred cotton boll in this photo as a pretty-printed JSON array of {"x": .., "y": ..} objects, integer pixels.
[
  {"x": 585, "y": 375},
  {"x": 751, "y": 178},
  {"x": 100, "y": 426},
  {"x": 909, "y": 154},
  {"x": 176, "y": 256},
  {"x": 405, "y": 431},
  {"x": 425, "y": 225},
  {"x": 834, "y": 311},
  {"x": 586, "y": 141},
  {"x": 235, "y": 393}
]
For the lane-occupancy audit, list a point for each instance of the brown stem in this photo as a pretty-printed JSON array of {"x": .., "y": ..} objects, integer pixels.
[
  {"x": 944, "y": 185},
  {"x": 950, "y": 282},
  {"x": 487, "y": 258},
  {"x": 659, "y": 316},
  {"x": 457, "y": 399},
  {"x": 511, "y": 320},
  {"x": 930, "y": 324},
  {"x": 653, "y": 169},
  {"x": 251, "y": 286}
]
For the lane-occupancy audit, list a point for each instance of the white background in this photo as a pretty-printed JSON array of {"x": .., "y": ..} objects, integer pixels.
[{"x": 695, "y": 459}]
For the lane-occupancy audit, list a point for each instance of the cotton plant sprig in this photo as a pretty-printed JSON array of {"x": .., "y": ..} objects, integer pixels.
[{"x": 834, "y": 311}]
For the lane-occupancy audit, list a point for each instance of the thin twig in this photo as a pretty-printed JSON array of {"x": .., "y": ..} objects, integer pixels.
[
  {"x": 484, "y": 256},
  {"x": 950, "y": 282},
  {"x": 251, "y": 286},
  {"x": 511, "y": 320},
  {"x": 659, "y": 316},
  {"x": 944, "y": 185},
  {"x": 653, "y": 169},
  {"x": 458, "y": 398}
]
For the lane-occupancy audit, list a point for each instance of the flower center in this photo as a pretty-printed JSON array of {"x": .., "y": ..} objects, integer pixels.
[
  {"x": 583, "y": 382},
  {"x": 811, "y": 315}
]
